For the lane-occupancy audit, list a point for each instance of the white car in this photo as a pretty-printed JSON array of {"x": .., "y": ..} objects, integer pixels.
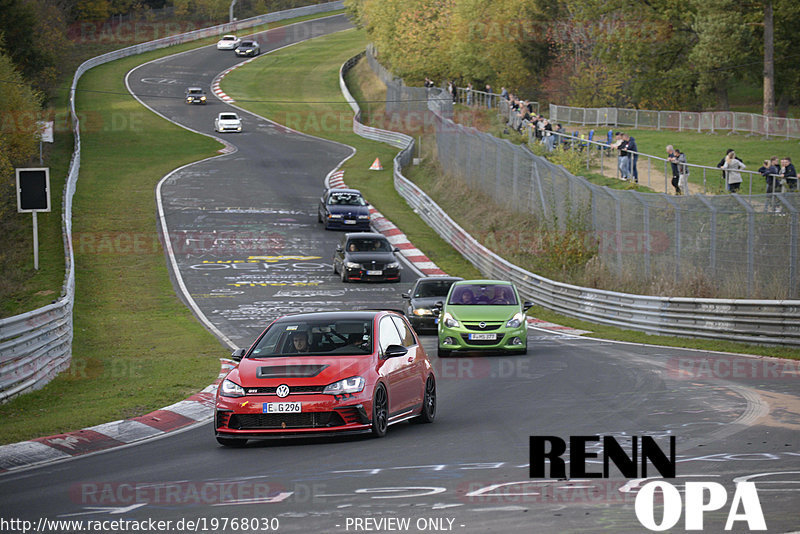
[
  {"x": 228, "y": 42},
  {"x": 227, "y": 122}
]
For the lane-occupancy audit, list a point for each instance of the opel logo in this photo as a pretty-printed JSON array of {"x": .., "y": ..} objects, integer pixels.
[
  {"x": 482, "y": 325},
  {"x": 282, "y": 391}
]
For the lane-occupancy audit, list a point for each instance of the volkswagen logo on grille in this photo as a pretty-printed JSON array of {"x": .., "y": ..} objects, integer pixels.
[
  {"x": 482, "y": 325},
  {"x": 282, "y": 391}
]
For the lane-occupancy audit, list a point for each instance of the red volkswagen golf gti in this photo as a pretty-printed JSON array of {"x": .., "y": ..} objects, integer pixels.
[{"x": 326, "y": 373}]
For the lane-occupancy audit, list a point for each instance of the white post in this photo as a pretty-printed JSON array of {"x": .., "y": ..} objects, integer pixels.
[
  {"x": 35, "y": 242},
  {"x": 230, "y": 11}
]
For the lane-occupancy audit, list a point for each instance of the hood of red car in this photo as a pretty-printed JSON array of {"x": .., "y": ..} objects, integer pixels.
[{"x": 304, "y": 370}]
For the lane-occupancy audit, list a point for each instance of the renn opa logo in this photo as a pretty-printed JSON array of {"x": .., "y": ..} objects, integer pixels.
[{"x": 700, "y": 497}]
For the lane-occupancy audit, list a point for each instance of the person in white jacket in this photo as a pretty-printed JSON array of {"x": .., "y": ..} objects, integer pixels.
[{"x": 733, "y": 177}]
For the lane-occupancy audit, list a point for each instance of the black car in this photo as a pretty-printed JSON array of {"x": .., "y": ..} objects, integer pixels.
[
  {"x": 343, "y": 209},
  {"x": 248, "y": 48},
  {"x": 195, "y": 95},
  {"x": 366, "y": 257},
  {"x": 422, "y": 301}
]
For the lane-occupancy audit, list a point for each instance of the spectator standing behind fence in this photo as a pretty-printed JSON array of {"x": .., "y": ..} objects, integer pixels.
[
  {"x": 469, "y": 94},
  {"x": 672, "y": 156},
  {"x": 624, "y": 159},
  {"x": 768, "y": 171},
  {"x": 634, "y": 158},
  {"x": 788, "y": 173},
  {"x": 488, "y": 96},
  {"x": 721, "y": 163},
  {"x": 732, "y": 166},
  {"x": 504, "y": 93}
]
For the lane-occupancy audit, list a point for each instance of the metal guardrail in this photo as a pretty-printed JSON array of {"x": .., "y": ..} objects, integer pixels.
[
  {"x": 751, "y": 321},
  {"x": 37, "y": 345}
]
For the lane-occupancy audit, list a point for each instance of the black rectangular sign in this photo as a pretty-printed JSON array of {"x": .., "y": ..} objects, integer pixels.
[{"x": 33, "y": 190}]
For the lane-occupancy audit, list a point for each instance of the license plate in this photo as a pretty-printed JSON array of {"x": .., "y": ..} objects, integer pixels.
[
  {"x": 374, "y": 273},
  {"x": 349, "y": 222},
  {"x": 482, "y": 337},
  {"x": 282, "y": 407}
]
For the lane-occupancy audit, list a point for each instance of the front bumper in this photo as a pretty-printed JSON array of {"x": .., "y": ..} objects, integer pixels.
[
  {"x": 243, "y": 417},
  {"x": 361, "y": 225},
  {"x": 195, "y": 100},
  {"x": 420, "y": 323},
  {"x": 507, "y": 339},
  {"x": 243, "y": 53},
  {"x": 360, "y": 275}
]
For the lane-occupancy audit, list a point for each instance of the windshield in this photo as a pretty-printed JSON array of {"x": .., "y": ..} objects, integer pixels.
[
  {"x": 479, "y": 294},
  {"x": 245, "y": 44},
  {"x": 346, "y": 199},
  {"x": 229, "y": 38},
  {"x": 228, "y": 117},
  {"x": 433, "y": 288},
  {"x": 368, "y": 245},
  {"x": 195, "y": 91},
  {"x": 315, "y": 338}
]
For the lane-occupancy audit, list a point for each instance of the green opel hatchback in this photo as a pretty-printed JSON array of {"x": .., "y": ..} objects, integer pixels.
[{"x": 483, "y": 315}]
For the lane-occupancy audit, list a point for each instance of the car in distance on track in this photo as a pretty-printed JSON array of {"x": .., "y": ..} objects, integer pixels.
[
  {"x": 227, "y": 122},
  {"x": 326, "y": 373},
  {"x": 366, "y": 256},
  {"x": 248, "y": 48},
  {"x": 420, "y": 308},
  {"x": 195, "y": 95},
  {"x": 228, "y": 42},
  {"x": 343, "y": 208},
  {"x": 483, "y": 315}
]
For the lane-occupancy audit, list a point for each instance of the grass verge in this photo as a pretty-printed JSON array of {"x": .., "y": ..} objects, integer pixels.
[
  {"x": 136, "y": 348},
  {"x": 317, "y": 64}
]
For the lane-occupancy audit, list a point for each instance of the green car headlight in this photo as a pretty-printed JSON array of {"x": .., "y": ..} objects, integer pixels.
[
  {"x": 450, "y": 321},
  {"x": 515, "y": 321}
]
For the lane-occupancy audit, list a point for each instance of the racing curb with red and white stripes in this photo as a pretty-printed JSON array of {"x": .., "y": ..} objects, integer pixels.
[
  {"x": 420, "y": 261},
  {"x": 197, "y": 408},
  {"x": 215, "y": 88}
]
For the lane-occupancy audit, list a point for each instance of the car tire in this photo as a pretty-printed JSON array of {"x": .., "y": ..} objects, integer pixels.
[
  {"x": 231, "y": 442},
  {"x": 380, "y": 412},
  {"x": 444, "y": 353},
  {"x": 344, "y": 276},
  {"x": 319, "y": 216},
  {"x": 428, "y": 402}
]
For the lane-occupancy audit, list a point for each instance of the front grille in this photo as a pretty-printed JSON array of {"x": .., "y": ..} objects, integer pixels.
[
  {"x": 264, "y": 421},
  {"x": 478, "y": 342},
  {"x": 293, "y": 390},
  {"x": 370, "y": 266},
  {"x": 476, "y": 326}
]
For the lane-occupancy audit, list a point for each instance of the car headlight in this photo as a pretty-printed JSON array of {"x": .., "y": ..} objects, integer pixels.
[
  {"x": 393, "y": 265},
  {"x": 515, "y": 321},
  {"x": 202, "y": 98},
  {"x": 450, "y": 321},
  {"x": 351, "y": 265},
  {"x": 335, "y": 216},
  {"x": 363, "y": 217},
  {"x": 422, "y": 311},
  {"x": 354, "y": 384},
  {"x": 231, "y": 389}
]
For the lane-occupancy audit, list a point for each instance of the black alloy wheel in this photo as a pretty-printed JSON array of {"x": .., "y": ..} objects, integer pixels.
[
  {"x": 380, "y": 412},
  {"x": 428, "y": 402}
]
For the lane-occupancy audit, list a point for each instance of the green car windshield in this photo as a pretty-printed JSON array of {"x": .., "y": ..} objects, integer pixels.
[
  {"x": 481, "y": 294},
  {"x": 298, "y": 338}
]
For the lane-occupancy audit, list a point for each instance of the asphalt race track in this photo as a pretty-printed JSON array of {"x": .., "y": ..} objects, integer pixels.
[{"x": 249, "y": 248}]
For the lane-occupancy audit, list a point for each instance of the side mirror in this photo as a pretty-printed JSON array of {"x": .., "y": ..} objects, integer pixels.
[
  {"x": 527, "y": 305},
  {"x": 395, "y": 249},
  {"x": 338, "y": 248},
  {"x": 436, "y": 312},
  {"x": 393, "y": 351},
  {"x": 439, "y": 304},
  {"x": 238, "y": 354},
  {"x": 406, "y": 295}
]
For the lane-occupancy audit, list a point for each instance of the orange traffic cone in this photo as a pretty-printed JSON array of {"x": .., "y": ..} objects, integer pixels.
[{"x": 376, "y": 165}]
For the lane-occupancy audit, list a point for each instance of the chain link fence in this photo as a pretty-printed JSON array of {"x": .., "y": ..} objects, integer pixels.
[{"x": 711, "y": 121}]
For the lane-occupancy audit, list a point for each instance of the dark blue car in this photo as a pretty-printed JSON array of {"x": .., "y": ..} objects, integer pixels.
[{"x": 343, "y": 209}]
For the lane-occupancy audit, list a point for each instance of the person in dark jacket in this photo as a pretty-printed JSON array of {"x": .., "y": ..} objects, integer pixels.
[
  {"x": 634, "y": 158},
  {"x": 788, "y": 173}
]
